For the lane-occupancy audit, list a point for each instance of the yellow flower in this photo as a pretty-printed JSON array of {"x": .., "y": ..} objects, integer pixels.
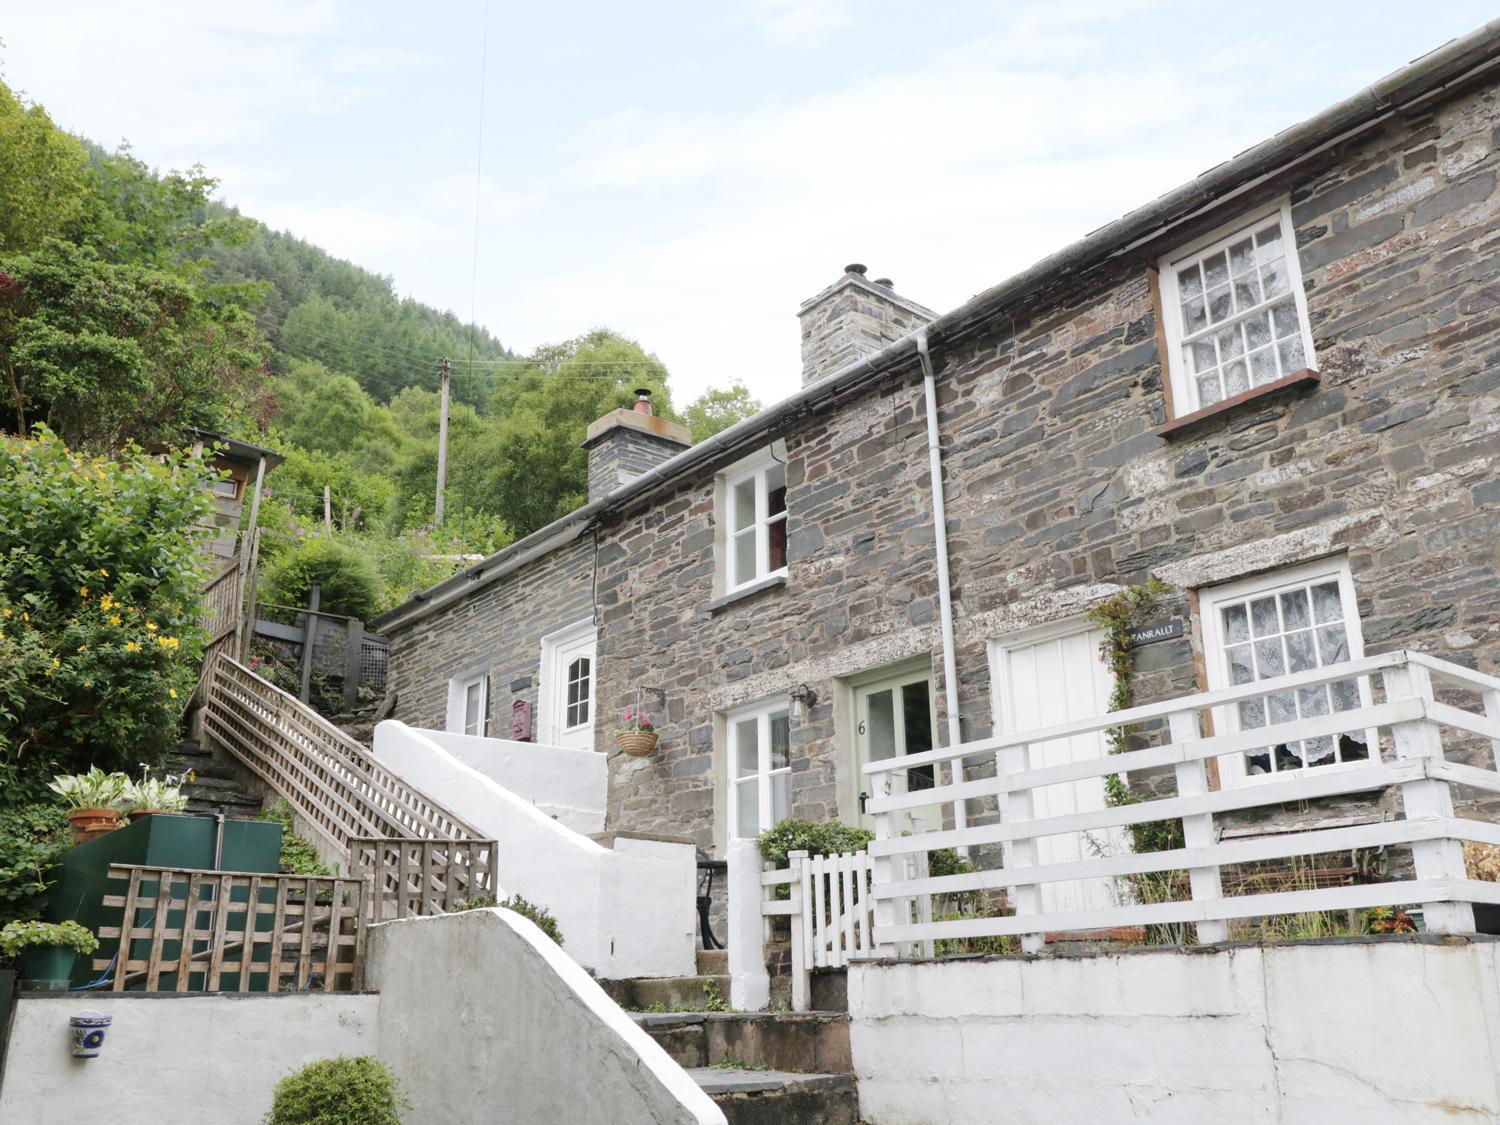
[
  {"x": 106, "y": 602},
  {"x": 6, "y": 612},
  {"x": 83, "y": 591},
  {"x": 172, "y": 692},
  {"x": 104, "y": 573},
  {"x": 132, "y": 646},
  {"x": 151, "y": 626},
  {"x": 25, "y": 616},
  {"x": 83, "y": 648},
  {"x": 114, "y": 619}
]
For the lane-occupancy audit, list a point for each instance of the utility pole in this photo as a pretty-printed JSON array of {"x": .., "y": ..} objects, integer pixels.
[{"x": 445, "y": 365}]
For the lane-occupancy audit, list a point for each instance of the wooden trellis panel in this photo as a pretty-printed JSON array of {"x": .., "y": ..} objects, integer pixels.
[
  {"x": 183, "y": 930},
  {"x": 422, "y": 877}
]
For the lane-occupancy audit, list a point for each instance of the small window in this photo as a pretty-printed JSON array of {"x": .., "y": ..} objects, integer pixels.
[
  {"x": 1293, "y": 621},
  {"x": 225, "y": 486},
  {"x": 577, "y": 710},
  {"x": 754, "y": 518},
  {"x": 760, "y": 768},
  {"x": 1235, "y": 314},
  {"x": 468, "y": 704}
]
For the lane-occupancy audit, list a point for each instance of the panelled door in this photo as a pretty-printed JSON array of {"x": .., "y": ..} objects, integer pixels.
[
  {"x": 892, "y": 718},
  {"x": 1041, "y": 682},
  {"x": 567, "y": 687}
]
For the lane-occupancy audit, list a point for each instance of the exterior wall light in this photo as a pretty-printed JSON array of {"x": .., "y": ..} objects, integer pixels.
[{"x": 803, "y": 698}]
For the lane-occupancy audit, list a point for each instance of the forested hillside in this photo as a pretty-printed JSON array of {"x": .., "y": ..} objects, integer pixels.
[{"x": 134, "y": 304}]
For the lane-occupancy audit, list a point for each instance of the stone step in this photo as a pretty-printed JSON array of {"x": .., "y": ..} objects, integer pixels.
[
  {"x": 669, "y": 994},
  {"x": 776, "y": 1097},
  {"x": 802, "y": 1042},
  {"x": 713, "y": 962}
]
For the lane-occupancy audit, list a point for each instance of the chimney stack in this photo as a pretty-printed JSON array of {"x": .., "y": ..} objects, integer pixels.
[
  {"x": 628, "y": 442},
  {"x": 854, "y": 317}
]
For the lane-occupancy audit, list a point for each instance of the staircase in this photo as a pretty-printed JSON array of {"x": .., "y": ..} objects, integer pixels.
[
  {"x": 216, "y": 783},
  {"x": 761, "y": 1068}
]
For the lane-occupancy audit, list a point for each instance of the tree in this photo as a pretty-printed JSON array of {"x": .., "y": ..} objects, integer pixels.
[
  {"x": 718, "y": 409},
  {"x": 320, "y": 409},
  {"x": 99, "y": 578},
  {"x": 44, "y": 177},
  {"x": 109, "y": 353}
]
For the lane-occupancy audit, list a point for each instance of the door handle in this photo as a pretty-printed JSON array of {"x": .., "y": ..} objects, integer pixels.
[{"x": 863, "y": 798}]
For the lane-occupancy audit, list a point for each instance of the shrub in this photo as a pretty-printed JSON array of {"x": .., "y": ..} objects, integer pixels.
[
  {"x": 350, "y": 584},
  {"x": 298, "y": 856},
  {"x": 99, "y": 583},
  {"x": 341, "y": 1091},
  {"x": 538, "y": 914},
  {"x": 32, "y": 839},
  {"x": 815, "y": 837}
]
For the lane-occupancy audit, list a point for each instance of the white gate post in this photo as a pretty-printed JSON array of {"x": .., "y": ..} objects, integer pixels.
[
  {"x": 801, "y": 929},
  {"x": 884, "y": 868},
  {"x": 1021, "y": 851},
  {"x": 1197, "y": 831},
  {"x": 1428, "y": 797},
  {"x": 749, "y": 983}
]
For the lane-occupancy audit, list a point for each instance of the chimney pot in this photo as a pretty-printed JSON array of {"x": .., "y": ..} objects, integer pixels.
[
  {"x": 642, "y": 401},
  {"x": 885, "y": 282},
  {"x": 855, "y": 267}
]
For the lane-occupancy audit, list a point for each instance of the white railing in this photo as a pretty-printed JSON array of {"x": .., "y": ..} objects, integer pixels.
[{"x": 1405, "y": 734}]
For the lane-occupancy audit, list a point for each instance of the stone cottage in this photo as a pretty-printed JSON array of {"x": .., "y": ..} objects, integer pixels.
[{"x": 1275, "y": 389}]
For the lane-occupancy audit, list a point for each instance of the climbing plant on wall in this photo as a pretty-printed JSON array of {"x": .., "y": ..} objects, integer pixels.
[{"x": 1115, "y": 618}]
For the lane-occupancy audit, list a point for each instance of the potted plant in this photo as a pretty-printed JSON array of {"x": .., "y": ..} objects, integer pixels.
[
  {"x": 150, "y": 795},
  {"x": 637, "y": 737},
  {"x": 93, "y": 801},
  {"x": 47, "y": 951}
]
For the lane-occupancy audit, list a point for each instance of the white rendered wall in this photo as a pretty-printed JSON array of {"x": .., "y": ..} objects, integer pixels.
[
  {"x": 623, "y": 914},
  {"x": 571, "y": 786},
  {"x": 1307, "y": 1034},
  {"x": 482, "y": 1011},
  {"x": 192, "y": 1058}
]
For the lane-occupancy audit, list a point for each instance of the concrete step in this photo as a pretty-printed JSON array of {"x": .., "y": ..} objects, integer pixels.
[
  {"x": 802, "y": 1042},
  {"x": 713, "y": 962},
  {"x": 776, "y": 1097},
  {"x": 671, "y": 994}
]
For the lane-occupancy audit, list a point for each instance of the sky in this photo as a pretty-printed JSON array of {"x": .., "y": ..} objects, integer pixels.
[{"x": 688, "y": 173}]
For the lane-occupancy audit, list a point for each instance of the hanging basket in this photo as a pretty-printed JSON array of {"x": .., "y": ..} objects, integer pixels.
[{"x": 636, "y": 743}]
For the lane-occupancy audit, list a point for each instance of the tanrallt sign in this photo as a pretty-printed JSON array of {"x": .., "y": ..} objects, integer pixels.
[{"x": 1156, "y": 631}]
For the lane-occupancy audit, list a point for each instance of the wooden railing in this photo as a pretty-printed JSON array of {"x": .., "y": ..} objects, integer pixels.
[
  {"x": 214, "y": 931},
  {"x": 219, "y": 612},
  {"x": 334, "y": 783},
  {"x": 410, "y": 878},
  {"x": 1406, "y": 735}
]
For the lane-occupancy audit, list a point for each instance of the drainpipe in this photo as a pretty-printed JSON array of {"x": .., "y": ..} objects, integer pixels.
[{"x": 945, "y": 596}]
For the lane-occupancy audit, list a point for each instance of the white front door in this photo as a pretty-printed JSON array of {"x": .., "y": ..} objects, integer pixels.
[
  {"x": 566, "y": 696},
  {"x": 1040, "y": 682},
  {"x": 894, "y": 718}
]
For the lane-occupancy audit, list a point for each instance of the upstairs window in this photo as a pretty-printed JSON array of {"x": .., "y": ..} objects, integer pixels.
[
  {"x": 754, "y": 518},
  {"x": 1235, "y": 314}
]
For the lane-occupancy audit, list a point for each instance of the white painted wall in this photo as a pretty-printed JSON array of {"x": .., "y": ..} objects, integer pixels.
[
  {"x": 623, "y": 914},
  {"x": 484, "y": 1018},
  {"x": 480, "y": 1015},
  {"x": 571, "y": 786},
  {"x": 1307, "y": 1034},
  {"x": 191, "y": 1058}
]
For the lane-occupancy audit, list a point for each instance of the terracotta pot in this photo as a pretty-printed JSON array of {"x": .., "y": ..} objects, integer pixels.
[
  {"x": 90, "y": 824},
  {"x": 636, "y": 743}
]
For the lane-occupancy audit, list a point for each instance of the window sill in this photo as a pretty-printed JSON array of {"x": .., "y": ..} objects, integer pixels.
[
  {"x": 1307, "y": 378},
  {"x": 723, "y": 601}
]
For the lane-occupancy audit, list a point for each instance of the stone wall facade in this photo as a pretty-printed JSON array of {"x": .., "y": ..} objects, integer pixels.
[{"x": 1060, "y": 492}]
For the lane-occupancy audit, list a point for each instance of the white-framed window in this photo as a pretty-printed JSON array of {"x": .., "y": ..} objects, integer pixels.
[
  {"x": 469, "y": 704},
  {"x": 1234, "y": 311},
  {"x": 760, "y": 768},
  {"x": 1278, "y": 624},
  {"x": 753, "y": 515}
]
